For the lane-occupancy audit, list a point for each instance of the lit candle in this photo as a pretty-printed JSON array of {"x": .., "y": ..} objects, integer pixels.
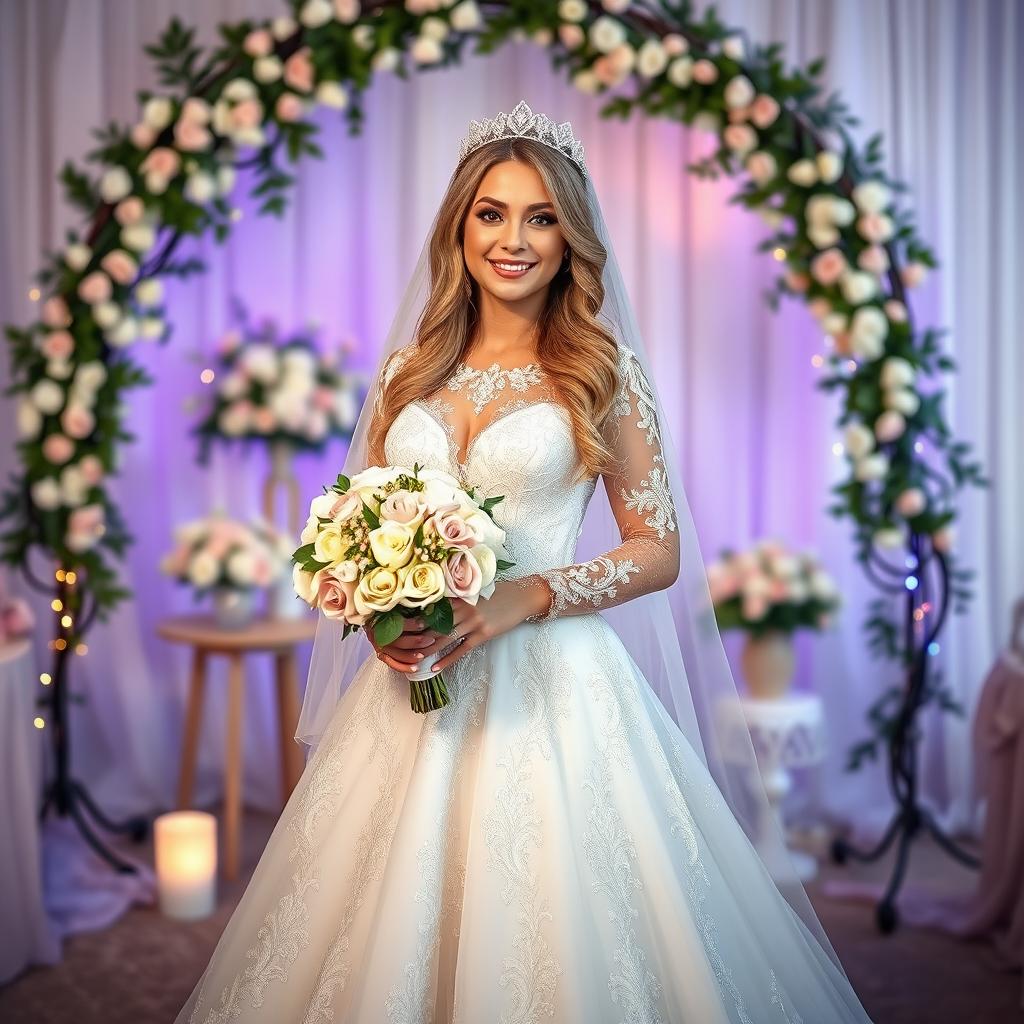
[{"x": 186, "y": 863}]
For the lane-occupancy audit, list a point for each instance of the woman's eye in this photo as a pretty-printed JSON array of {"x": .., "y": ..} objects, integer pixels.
[{"x": 484, "y": 215}]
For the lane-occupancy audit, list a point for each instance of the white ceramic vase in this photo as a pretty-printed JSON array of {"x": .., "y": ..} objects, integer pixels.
[
  {"x": 232, "y": 608},
  {"x": 768, "y": 662}
]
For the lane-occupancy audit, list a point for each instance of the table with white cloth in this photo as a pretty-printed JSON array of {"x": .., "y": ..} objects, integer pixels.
[{"x": 26, "y": 937}]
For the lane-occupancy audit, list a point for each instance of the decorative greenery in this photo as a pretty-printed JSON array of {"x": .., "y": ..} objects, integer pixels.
[
  {"x": 269, "y": 389},
  {"x": 850, "y": 250}
]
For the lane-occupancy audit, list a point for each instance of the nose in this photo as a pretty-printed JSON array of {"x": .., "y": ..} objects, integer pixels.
[{"x": 512, "y": 241}]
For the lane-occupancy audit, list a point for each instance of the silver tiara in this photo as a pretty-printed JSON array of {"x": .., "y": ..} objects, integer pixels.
[{"x": 523, "y": 123}]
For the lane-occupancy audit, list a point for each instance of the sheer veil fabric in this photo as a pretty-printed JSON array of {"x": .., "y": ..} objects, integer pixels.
[{"x": 671, "y": 634}]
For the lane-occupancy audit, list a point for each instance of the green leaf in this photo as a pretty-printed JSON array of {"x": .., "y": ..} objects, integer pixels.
[{"x": 387, "y": 627}]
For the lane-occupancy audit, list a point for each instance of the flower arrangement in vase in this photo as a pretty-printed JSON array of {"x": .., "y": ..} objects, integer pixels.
[
  {"x": 769, "y": 592},
  {"x": 231, "y": 559},
  {"x": 16, "y": 617},
  {"x": 279, "y": 391}
]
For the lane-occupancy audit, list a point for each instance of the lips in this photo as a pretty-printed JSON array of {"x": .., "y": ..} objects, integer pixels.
[{"x": 511, "y": 269}]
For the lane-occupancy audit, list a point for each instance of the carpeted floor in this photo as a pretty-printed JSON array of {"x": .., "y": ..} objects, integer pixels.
[{"x": 142, "y": 969}]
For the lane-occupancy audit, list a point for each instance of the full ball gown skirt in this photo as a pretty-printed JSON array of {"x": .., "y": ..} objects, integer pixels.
[{"x": 547, "y": 847}]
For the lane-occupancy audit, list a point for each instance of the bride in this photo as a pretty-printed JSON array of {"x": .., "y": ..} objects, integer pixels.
[{"x": 580, "y": 835}]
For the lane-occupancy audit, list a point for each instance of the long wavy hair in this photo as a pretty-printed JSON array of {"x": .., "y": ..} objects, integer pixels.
[{"x": 574, "y": 349}]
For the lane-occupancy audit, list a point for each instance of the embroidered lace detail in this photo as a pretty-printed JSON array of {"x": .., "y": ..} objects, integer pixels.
[
  {"x": 655, "y": 497},
  {"x": 485, "y": 385},
  {"x": 610, "y": 852},
  {"x": 513, "y": 826},
  {"x": 632, "y": 378},
  {"x": 574, "y": 584}
]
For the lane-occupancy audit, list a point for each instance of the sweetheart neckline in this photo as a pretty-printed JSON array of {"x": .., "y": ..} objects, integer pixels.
[{"x": 509, "y": 411}]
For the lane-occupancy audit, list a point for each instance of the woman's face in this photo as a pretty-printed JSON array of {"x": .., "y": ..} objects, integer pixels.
[{"x": 512, "y": 242}]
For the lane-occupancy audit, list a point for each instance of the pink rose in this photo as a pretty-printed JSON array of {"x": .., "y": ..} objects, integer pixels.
[
  {"x": 86, "y": 522},
  {"x": 797, "y": 281},
  {"x": 777, "y": 590},
  {"x": 289, "y": 107},
  {"x": 298, "y": 70},
  {"x": 262, "y": 572},
  {"x": 347, "y": 506},
  {"x": 142, "y": 135},
  {"x": 191, "y": 135},
  {"x": 247, "y": 114},
  {"x": 57, "y": 449},
  {"x": 895, "y": 311},
  {"x": 258, "y": 43},
  {"x": 401, "y": 507},
  {"x": 77, "y": 422},
  {"x": 130, "y": 211},
  {"x": 58, "y": 345},
  {"x": 335, "y": 597},
  {"x": 95, "y": 287},
  {"x": 163, "y": 162},
  {"x": 462, "y": 576},
  {"x": 55, "y": 312},
  {"x": 346, "y": 11},
  {"x": 874, "y": 259},
  {"x": 264, "y": 421},
  {"x": 913, "y": 274},
  {"x": 764, "y": 110},
  {"x": 754, "y": 608},
  {"x": 828, "y": 266},
  {"x": 452, "y": 528},
  {"x": 874, "y": 227},
  {"x": 120, "y": 266},
  {"x": 740, "y": 138},
  {"x": 704, "y": 72},
  {"x": 195, "y": 110},
  {"x": 819, "y": 307},
  {"x": 675, "y": 44},
  {"x": 18, "y": 618},
  {"x": 323, "y": 399},
  {"x": 92, "y": 469},
  {"x": 218, "y": 545}
]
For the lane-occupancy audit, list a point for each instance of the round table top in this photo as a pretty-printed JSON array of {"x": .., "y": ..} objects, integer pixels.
[{"x": 261, "y": 634}]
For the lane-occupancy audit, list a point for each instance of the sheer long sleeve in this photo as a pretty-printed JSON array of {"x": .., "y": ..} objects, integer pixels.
[{"x": 641, "y": 501}]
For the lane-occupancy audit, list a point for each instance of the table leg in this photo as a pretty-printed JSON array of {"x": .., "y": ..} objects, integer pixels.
[
  {"x": 193, "y": 723},
  {"x": 288, "y": 717},
  {"x": 233, "y": 768}
]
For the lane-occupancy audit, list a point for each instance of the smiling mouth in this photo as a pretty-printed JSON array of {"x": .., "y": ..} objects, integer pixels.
[{"x": 511, "y": 268}]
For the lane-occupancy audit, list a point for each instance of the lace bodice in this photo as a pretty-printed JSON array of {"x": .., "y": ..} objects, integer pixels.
[{"x": 519, "y": 443}]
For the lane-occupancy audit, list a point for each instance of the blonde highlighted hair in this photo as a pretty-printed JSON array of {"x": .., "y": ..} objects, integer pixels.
[{"x": 574, "y": 349}]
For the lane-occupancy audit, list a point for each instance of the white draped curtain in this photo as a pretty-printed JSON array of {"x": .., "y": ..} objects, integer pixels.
[{"x": 941, "y": 80}]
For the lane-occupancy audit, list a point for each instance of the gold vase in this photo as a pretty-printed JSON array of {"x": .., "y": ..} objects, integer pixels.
[{"x": 768, "y": 662}]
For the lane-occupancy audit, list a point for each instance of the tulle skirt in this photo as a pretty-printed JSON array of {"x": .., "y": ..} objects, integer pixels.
[{"x": 547, "y": 847}]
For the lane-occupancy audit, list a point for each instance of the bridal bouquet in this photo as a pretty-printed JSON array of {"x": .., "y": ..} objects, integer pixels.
[{"x": 392, "y": 543}]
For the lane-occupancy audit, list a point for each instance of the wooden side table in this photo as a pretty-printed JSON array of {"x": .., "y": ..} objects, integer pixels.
[{"x": 268, "y": 635}]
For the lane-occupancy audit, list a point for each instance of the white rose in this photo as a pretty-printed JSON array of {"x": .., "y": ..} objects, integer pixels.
[
  {"x": 91, "y": 376},
  {"x": 151, "y": 328},
  {"x": 58, "y": 369},
  {"x": 822, "y": 235},
  {"x": 200, "y": 187},
  {"x": 305, "y": 584},
  {"x": 47, "y": 396},
  {"x": 830, "y": 166},
  {"x": 376, "y": 477},
  {"x": 873, "y": 467},
  {"x": 77, "y": 256},
  {"x": 739, "y": 92},
  {"x": 867, "y": 347},
  {"x": 485, "y": 529},
  {"x": 124, "y": 332},
  {"x": 818, "y": 209},
  {"x": 822, "y": 586},
  {"x": 115, "y": 184},
  {"x": 158, "y": 112},
  {"x": 426, "y": 51},
  {"x": 241, "y": 567},
  {"x": 267, "y": 69},
  {"x": 362, "y": 36},
  {"x": 30, "y": 420},
  {"x": 488, "y": 562},
  {"x": 283, "y": 27},
  {"x": 386, "y": 60},
  {"x": 572, "y": 10},
  {"x": 332, "y": 94},
  {"x": 379, "y": 590},
  {"x": 897, "y": 373},
  {"x": 901, "y": 400},
  {"x": 871, "y": 196},
  {"x": 869, "y": 323},
  {"x": 310, "y": 530},
  {"x": 138, "y": 237},
  {"x": 434, "y": 28},
  {"x": 106, "y": 314},
  {"x": 203, "y": 571},
  {"x": 149, "y": 292},
  {"x": 226, "y": 176},
  {"x": 46, "y": 494},
  {"x": 733, "y": 48},
  {"x": 857, "y": 287},
  {"x": 834, "y": 323},
  {"x": 680, "y": 72},
  {"x": 843, "y": 211},
  {"x": 73, "y": 488},
  {"x": 422, "y": 584},
  {"x": 586, "y": 81},
  {"x": 391, "y": 544},
  {"x": 260, "y": 360},
  {"x": 315, "y": 13},
  {"x": 466, "y": 16},
  {"x": 888, "y": 537},
  {"x": 239, "y": 89},
  {"x": 707, "y": 121},
  {"x": 858, "y": 441},
  {"x": 803, "y": 173},
  {"x": 606, "y": 33},
  {"x": 651, "y": 59}
]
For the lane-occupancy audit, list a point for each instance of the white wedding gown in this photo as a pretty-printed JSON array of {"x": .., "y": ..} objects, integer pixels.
[{"x": 548, "y": 847}]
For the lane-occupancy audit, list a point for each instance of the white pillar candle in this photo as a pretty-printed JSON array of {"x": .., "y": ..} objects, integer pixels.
[{"x": 186, "y": 863}]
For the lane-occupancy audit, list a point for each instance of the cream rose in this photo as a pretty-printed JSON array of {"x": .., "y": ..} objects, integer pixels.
[
  {"x": 329, "y": 545},
  {"x": 488, "y": 563},
  {"x": 422, "y": 583},
  {"x": 391, "y": 544},
  {"x": 378, "y": 591}
]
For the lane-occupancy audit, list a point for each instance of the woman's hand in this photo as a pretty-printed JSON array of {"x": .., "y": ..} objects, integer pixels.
[
  {"x": 508, "y": 606},
  {"x": 405, "y": 652}
]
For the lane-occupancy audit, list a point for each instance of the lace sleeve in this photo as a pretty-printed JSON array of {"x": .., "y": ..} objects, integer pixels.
[{"x": 641, "y": 501}]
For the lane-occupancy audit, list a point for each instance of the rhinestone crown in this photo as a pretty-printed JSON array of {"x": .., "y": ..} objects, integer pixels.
[{"x": 523, "y": 123}]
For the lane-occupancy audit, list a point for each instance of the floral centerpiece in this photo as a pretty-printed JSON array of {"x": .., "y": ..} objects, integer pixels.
[
  {"x": 271, "y": 389},
  {"x": 231, "y": 559},
  {"x": 769, "y": 592},
  {"x": 16, "y": 618},
  {"x": 392, "y": 543}
]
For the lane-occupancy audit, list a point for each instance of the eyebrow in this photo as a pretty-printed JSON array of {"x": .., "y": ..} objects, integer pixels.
[{"x": 504, "y": 206}]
